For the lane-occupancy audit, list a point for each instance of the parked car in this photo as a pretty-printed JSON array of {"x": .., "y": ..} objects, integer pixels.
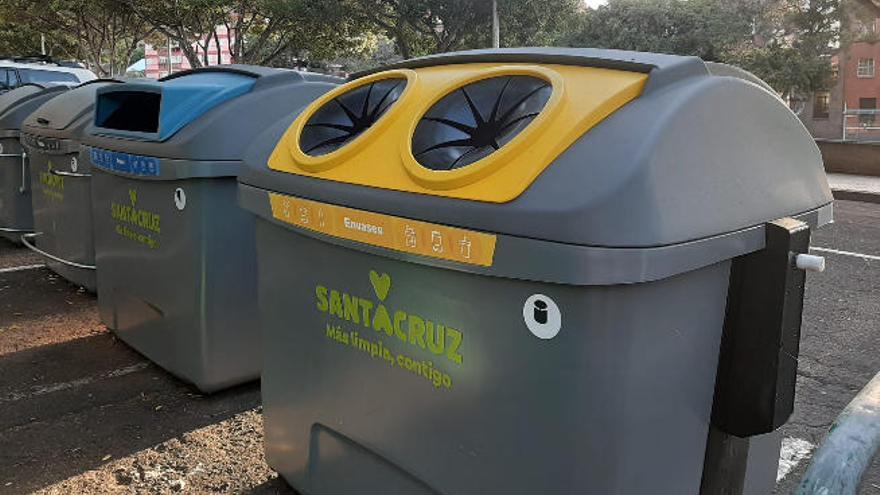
[{"x": 40, "y": 70}]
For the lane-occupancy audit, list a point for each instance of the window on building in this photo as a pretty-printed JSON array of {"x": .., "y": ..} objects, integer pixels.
[
  {"x": 821, "y": 104},
  {"x": 869, "y": 105},
  {"x": 866, "y": 67}
]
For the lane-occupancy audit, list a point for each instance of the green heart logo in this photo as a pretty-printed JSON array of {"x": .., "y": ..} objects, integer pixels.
[{"x": 381, "y": 284}]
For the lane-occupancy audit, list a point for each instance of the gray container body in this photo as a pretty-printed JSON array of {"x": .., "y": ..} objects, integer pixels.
[
  {"x": 179, "y": 286},
  {"x": 632, "y": 232},
  {"x": 62, "y": 213},
  {"x": 619, "y": 402},
  {"x": 176, "y": 273},
  {"x": 61, "y": 178},
  {"x": 16, "y": 211}
]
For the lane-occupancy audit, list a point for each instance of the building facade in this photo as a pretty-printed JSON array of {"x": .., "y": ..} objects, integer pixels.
[
  {"x": 849, "y": 108},
  {"x": 167, "y": 59}
]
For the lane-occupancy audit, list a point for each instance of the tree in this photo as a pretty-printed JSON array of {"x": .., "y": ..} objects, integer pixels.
[
  {"x": 101, "y": 33},
  {"x": 17, "y": 38},
  {"x": 186, "y": 22},
  {"x": 535, "y": 23},
  {"x": 372, "y": 50},
  {"x": 705, "y": 28},
  {"x": 420, "y": 27},
  {"x": 788, "y": 43},
  {"x": 794, "y": 55},
  {"x": 261, "y": 32},
  {"x": 273, "y": 31}
]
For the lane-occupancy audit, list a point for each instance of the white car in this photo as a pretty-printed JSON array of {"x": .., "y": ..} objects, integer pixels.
[{"x": 38, "y": 70}]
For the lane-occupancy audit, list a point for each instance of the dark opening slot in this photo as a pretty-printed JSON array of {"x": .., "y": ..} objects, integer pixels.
[{"x": 129, "y": 111}]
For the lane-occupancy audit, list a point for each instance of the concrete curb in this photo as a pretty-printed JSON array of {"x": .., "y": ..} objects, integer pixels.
[{"x": 851, "y": 195}]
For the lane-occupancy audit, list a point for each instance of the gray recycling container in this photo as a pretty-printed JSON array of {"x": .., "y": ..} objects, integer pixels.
[
  {"x": 61, "y": 177},
  {"x": 16, "y": 213},
  {"x": 533, "y": 271},
  {"x": 174, "y": 253}
]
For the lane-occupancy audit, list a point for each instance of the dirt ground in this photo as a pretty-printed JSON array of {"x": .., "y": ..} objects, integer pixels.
[
  {"x": 14, "y": 255},
  {"x": 80, "y": 412}
]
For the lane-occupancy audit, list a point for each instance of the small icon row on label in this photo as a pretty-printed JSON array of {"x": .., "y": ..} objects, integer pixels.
[{"x": 440, "y": 242}]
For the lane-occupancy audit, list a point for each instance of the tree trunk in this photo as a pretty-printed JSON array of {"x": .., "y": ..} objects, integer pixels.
[
  {"x": 217, "y": 44},
  {"x": 402, "y": 44},
  {"x": 190, "y": 54},
  {"x": 205, "y": 48}
]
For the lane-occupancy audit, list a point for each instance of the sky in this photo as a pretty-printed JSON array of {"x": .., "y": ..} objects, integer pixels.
[{"x": 594, "y": 3}]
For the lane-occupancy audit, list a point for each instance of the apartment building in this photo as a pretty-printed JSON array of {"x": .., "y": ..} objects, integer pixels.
[
  {"x": 849, "y": 108},
  {"x": 162, "y": 60}
]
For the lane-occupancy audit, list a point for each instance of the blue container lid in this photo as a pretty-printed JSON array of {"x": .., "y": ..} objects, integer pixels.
[{"x": 155, "y": 111}]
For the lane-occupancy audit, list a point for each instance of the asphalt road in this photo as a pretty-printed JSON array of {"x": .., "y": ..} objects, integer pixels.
[
  {"x": 840, "y": 345},
  {"x": 81, "y": 412}
]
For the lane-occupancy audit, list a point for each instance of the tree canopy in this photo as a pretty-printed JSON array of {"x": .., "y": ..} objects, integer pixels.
[{"x": 786, "y": 42}]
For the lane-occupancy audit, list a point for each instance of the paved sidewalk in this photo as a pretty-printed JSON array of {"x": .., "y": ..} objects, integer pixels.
[{"x": 855, "y": 187}]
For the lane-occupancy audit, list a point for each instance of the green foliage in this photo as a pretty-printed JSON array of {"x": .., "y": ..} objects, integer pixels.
[
  {"x": 422, "y": 27},
  {"x": 794, "y": 56},
  {"x": 533, "y": 22},
  {"x": 266, "y": 32},
  {"x": 788, "y": 43},
  {"x": 17, "y": 39},
  {"x": 101, "y": 33},
  {"x": 704, "y": 28}
]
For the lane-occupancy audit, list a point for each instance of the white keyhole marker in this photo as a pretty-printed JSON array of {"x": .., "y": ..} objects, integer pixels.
[
  {"x": 180, "y": 198},
  {"x": 542, "y": 316},
  {"x": 810, "y": 263}
]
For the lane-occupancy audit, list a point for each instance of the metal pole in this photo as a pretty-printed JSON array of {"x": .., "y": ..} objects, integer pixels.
[
  {"x": 496, "y": 28},
  {"x": 846, "y": 453},
  {"x": 170, "y": 65}
]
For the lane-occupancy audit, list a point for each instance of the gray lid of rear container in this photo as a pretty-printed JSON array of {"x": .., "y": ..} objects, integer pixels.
[
  {"x": 18, "y": 104},
  {"x": 67, "y": 115}
]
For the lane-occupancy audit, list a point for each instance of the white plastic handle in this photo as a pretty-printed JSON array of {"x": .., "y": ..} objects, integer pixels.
[{"x": 810, "y": 262}]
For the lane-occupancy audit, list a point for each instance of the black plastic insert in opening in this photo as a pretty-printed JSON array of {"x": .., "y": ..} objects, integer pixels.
[
  {"x": 133, "y": 111},
  {"x": 477, "y": 119},
  {"x": 348, "y": 115}
]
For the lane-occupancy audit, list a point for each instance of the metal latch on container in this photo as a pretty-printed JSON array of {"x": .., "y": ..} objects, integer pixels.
[{"x": 757, "y": 367}]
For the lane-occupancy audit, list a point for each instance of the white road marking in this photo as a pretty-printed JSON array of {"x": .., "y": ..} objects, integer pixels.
[
  {"x": 863, "y": 256},
  {"x": 793, "y": 451},
  {"x": 57, "y": 387},
  {"x": 20, "y": 268}
]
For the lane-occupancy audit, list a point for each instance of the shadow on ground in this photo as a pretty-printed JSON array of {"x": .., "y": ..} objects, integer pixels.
[
  {"x": 80, "y": 398},
  {"x": 275, "y": 486}
]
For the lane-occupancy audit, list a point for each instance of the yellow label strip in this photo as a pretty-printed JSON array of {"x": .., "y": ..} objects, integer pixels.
[{"x": 386, "y": 231}]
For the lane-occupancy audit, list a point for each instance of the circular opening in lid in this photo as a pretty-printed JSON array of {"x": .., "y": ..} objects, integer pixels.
[
  {"x": 477, "y": 119},
  {"x": 348, "y": 115}
]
